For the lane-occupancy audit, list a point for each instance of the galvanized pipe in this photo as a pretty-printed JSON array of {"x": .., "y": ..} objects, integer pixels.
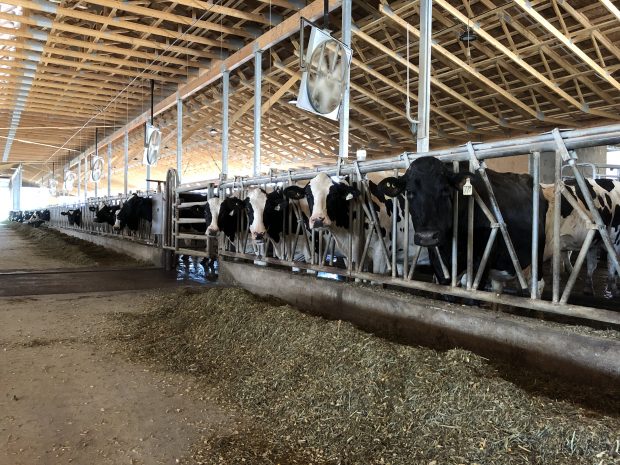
[
  {"x": 225, "y": 95},
  {"x": 343, "y": 133},
  {"x": 109, "y": 170},
  {"x": 179, "y": 137},
  {"x": 557, "y": 198},
  {"x": 535, "y": 172},
  {"x": 455, "y": 230},
  {"x": 470, "y": 239},
  {"x": 126, "y": 160},
  {"x": 424, "y": 81},
  {"x": 485, "y": 256},
  {"x": 258, "y": 75}
]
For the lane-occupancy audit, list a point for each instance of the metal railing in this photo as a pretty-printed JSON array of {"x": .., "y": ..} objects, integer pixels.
[
  {"x": 323, "y": 246},
  {"x": 148, "y": 233}
]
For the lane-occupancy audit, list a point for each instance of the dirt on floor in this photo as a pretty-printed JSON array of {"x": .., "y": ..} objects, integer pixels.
[{"x": 67, "y": 398}]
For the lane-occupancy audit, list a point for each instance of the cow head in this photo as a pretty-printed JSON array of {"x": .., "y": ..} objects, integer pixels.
[
  {"x": 328, "y": 200},
  {"x": 255, "y": 206},
  {"x": 105, "y": 213},
  {"x": 222, "y": 215},
  {"x": 212, "y": 211},
  {"x": 429, "y": 186}
]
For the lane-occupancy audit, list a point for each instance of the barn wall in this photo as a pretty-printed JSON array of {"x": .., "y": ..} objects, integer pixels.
[
  {"x": 580, "y": 358},
  {"x": 597, "y": 155},
  {"x": 147, "y": 253},
  {"x": 517, "y": 164}
]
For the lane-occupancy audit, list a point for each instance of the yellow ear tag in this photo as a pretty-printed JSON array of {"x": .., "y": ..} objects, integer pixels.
[{"x": 468, "y": 189}]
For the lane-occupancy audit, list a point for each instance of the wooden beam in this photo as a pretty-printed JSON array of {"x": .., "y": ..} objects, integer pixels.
[
  {"x": 486, "y": 82},
  {"x": 278, "y": 94},
  {"x": 568, "y": 43},
  {"x": 513, "y": 56},
  {"x": 274, "y": 35}
]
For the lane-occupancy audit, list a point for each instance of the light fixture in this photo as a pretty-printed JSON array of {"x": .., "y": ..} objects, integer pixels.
[
  {"x": 213, "y": 132},
  {"x": 468, "y": 36}
]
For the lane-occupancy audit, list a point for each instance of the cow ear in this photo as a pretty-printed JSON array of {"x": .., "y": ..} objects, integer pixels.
[
  {"x": 294, "y": 192},
  {"x": 392, "y": 186},
  {"x": 458, "y": 180}
]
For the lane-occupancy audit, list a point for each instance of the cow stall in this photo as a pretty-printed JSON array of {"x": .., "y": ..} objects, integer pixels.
[{"x": 352, "y": 253}]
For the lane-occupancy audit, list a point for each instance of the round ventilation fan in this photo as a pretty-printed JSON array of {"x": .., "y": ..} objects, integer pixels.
[
  {"x": 152, "y": 145},
  {"x": 96, "y": 169},
  {"x": 69, "y": 180},
  {"x": 327, "y": 76}
]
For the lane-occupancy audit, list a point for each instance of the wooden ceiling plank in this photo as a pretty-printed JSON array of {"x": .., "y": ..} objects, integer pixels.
[{"x": 525, "y": 6}]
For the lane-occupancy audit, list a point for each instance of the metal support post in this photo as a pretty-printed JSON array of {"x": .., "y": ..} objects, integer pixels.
[
  {"x": 109, "y": 170},
  {"x": 79, "y": 177},
  {"x": 424, "y": 84},
  {"x": 225, "y": 94},
  {"x": 148, "y": 177},
  {"x": 258, "y": 76},
  {"x": 179, "y": 138},
  {"x": 557, "y": 197},
  {"x": 343, "y": 139},
  {"x": 126, "y": 160},
  {"x": 455, "y": 230},
  {"x": 535, "y": 172}
]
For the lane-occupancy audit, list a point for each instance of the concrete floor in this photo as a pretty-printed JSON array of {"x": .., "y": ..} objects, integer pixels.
[{"x": 67, "y": 396}]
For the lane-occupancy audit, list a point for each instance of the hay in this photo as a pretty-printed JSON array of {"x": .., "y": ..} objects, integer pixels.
[
  {"x": 49, "y": 242},
  {"x": 323, "y": 392}
]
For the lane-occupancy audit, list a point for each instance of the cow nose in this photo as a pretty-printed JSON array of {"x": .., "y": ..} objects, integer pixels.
[
  {"x": 212, "y": 232},
  {"x": 318, "y": 222},
  {"x": 259, "y": 237},
  {"x": 426, "y": 238}
]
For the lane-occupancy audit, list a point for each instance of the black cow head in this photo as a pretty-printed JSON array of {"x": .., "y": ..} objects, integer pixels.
[
  {"x": 328, "y": 200},
  {"x": 132, "y": 211},
  {"x": 429, "y": 186},
  {"x": 73, "y": 216},
  {"x": 105, "y": 213}
]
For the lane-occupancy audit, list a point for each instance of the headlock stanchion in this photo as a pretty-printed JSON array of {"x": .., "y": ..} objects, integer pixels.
[{"x": 353, "y": 252}]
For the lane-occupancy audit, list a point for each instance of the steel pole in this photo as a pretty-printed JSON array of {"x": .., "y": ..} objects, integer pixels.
[
  {"x": 225, "y": 92},
  {"x": 179, "y": 137},
  {"x": 424, "y": 84},
  {"x": 535, "y": 171},
  {"x": 557, "y": 196},
  {"x": 79, "y": 177},
  {"x": 126, "y": 161},
  {"x": 343, "y": 139},
  {"x": 109, "y": 170},
  {"x": 258, "y": 76}
]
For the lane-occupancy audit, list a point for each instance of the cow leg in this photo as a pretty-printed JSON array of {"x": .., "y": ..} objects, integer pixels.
[
  {"x": 591, "y": 264},
  {"x": 566, "y": 266},
  {"x": 611, "y": 289}
]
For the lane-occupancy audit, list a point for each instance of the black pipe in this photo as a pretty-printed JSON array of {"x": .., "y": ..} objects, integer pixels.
[{"x": 325, "y": 14}]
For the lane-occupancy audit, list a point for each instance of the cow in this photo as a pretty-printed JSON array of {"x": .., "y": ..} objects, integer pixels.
[
  {"x": 573, "y": 229},
  {"x": 38, "y": 217},
  {"x": 266, "y": 218},
  {"x": 16, "y": 216},
  {"x": 430, "y": 185},
  {"x": 329, "y": 201},
  {"x": 133, "y": 210},
  {"x": 73, "y": 216},
  {"x": 105, "y": 213},
  {"x": 222, "y": 215}
]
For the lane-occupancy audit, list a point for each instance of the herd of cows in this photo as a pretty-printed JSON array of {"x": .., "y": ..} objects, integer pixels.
[{"x": 282, "y": 216}]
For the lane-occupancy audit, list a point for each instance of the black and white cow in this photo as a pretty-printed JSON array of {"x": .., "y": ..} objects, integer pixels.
[
  {"x": 133, "y": 210},
  {"x": 73, "y": 216},
  {"x": 38, "y": 217},
  {"x": 105, "y": 213},
  {"x": 222, "y": 215},
  {"x": 429, "y": 186},
  {"x": 573, "y": 229},
  {"x": 16, "y": 216},
  {"x": 329, "y": 202}
]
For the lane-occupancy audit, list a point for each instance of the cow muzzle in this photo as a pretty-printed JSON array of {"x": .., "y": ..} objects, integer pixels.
[
  {"x": 427, "y": 238},
  {"x": 212, "y": 232},
  {"x": 259, "y": 237},
  {"x": 319, "y": 223}
]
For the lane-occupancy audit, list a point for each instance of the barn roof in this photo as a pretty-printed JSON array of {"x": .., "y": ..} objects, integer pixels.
[{"x": 69, "y": 67}]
